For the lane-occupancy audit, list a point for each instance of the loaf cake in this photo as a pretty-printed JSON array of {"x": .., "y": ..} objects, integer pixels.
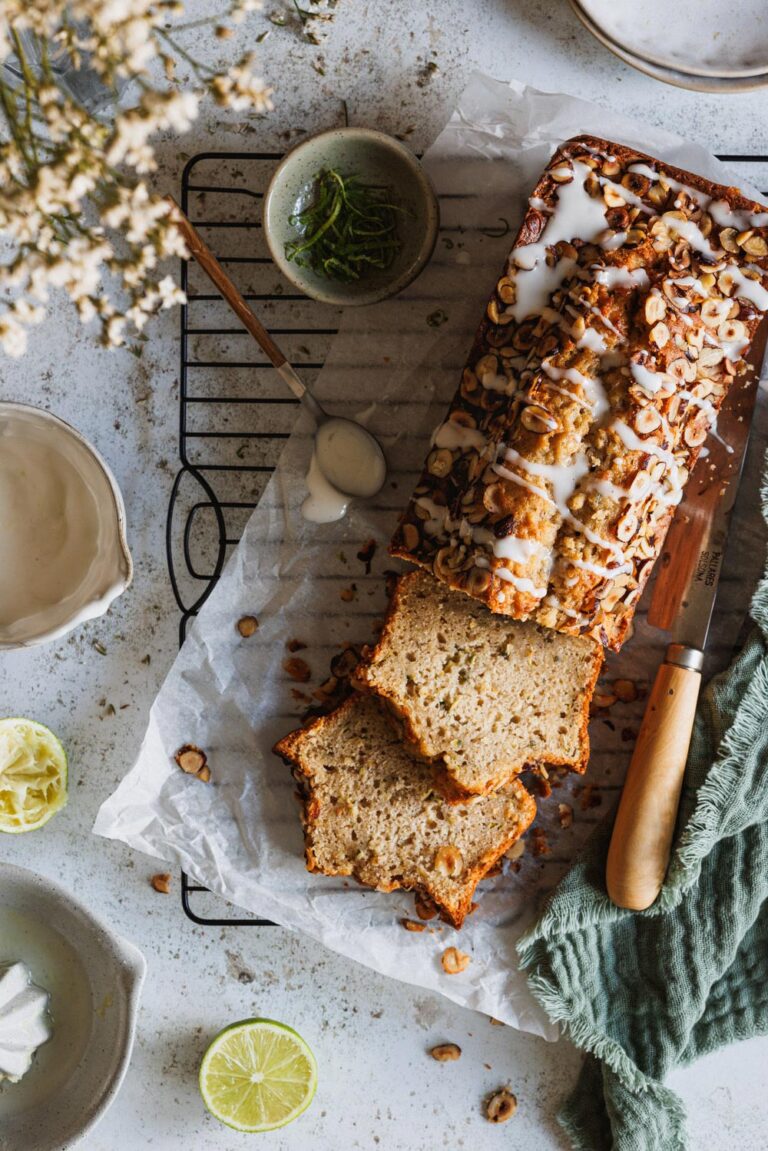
[
  {"x": 486, "y": 695},
  {"x": 372, "y": 810},
  {"x": 628, "y": 307}
]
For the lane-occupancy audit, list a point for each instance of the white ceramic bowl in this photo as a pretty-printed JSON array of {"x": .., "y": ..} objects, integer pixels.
[
  {"x": 94, "y": 978},
  {"x": 55, "y": 593}
]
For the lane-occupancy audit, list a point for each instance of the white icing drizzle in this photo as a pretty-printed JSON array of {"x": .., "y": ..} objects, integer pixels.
[
  {"x": 506, "y": 474},
  {"x": 492, "y": 382},
  {"x": 593, "y": 387},
  {"x": 612, "y": 243},
  {"x": 692, "y": 282},
  {"x": 727, "y": 217},
  {"x": 600, "y": 569},
  {"x": 593, "y": 340},
  {"x": 622, "y": 278},
  {"x": 631, "y": 440},
  {"x": 651, "y": 382},
  {"x": 535, "y": 285},
  {"x": 692, "y": 234},
  {"x": 553, "y": 601},
  {"x": 563, "y": 478},
  {"x": 627, "y": 196},
  {"x": 538, "y": 204},
  {"x": 518, "y": 549},
  {"x": 751, "y": 290},
  {"x": 522, "y": 583},
  {"x": 453, "y": 435}
]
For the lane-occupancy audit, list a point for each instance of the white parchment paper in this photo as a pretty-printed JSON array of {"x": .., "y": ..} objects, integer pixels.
[{"x": 398, "y": 364}]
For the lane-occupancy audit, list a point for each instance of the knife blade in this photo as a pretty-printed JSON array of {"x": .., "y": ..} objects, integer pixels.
[
  {"x": 683, "y": 601},
  {"x": 684, "y": 594}
]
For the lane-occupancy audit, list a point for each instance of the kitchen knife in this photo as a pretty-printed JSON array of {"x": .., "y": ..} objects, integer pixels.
[{"x": 683, "y": 602}]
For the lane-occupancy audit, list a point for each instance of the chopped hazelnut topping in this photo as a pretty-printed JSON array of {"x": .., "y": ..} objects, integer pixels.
[
  {"x": 446, "y": 1052},
  {"x": 501, "y": 1106},
  {"x": 247, "y": 625},
  {"x": 204, "y": 774},
  {"x": 454, "y": 961},
  {"x": 425, "y": 909},
  {"x": 412, "y": 925},
  {"x": 449, "y": 861},
  {"x": 297, "y": 669},
  {"x": 191, "y": 758},
  {"x": 625, "y": 690},
  {"x": 161, "y": 882}
]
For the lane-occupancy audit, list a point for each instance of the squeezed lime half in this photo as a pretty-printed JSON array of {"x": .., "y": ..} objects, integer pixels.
[{"x": 33, "y": 775}]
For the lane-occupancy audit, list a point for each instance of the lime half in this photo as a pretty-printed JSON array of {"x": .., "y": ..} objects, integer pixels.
[
  {"x": 33, "y": 775},
  {"x": 258, "y": 1075}
]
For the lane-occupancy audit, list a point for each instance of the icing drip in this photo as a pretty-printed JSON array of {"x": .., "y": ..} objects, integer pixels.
[
  {"x": 622, "y": 278},
  {"x": 453, "y": 435}
]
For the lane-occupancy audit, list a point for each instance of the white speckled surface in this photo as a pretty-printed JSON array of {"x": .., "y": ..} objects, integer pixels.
[{"x": 378, "y": 1087}]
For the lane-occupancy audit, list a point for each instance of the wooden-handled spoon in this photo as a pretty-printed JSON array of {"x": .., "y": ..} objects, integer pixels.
[{"x": 360, "y": 481}]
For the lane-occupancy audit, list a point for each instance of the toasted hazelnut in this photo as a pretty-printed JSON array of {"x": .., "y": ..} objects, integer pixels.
[
  {"x": 439, "y": 462},
  {"x": 731, "y": 330},
  {"x": 412, "y": 925},
  {"x": 655, "y": 309},
  {"x": 709, "y": 357},
  {"x": 627, "y": 525},
  {"x": 247, "y": 625},
  {"x": 424, "y": 907},
  {"x": 454, "y": 961},
  {"x": 613, "y": 197},
  {"x": 161, "y": 882},
  {"x": 449, "y": 861},
  {"x": 565, "y": 814},
  {"x": 516, "y": 851},
  {"x": 538, "y": 420},
  {"x": 446, "y": 1052},
  {"x": 660, "y": 334},
  {"x": 478, "y": 581},
  {"x": 507, "y": 290},
  {"x": 562, "y": 174},
  {"x": 297, "y": 669},
  {"x": 755, "y": 246},
  {"x": 728, "y": 239},
  {"x": 501, "y": 1106},
  {"x": 695, "y": 434},
  {"x": 410, "y": 534},
  {"x": 682, "y": 370},
  {"x": 603, "y": 699},
  {"x": 204, "y": 774},
  {"x": 190, "y": 758},
  {"x": 625, "y": 689},
  {"x": 712, "y": 313},
  {"x": 646, "y": 420}
]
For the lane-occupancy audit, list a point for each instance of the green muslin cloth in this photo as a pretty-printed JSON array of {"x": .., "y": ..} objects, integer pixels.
[{"x": 642, "y": 993}]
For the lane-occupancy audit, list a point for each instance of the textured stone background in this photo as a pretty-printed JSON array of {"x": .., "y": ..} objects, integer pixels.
[{"x": 378, "y": 1087}]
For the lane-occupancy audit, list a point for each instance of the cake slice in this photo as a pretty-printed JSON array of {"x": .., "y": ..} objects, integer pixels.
[
  {"x": 373, "y": 810},
  {"x": 486, "y": 695}
]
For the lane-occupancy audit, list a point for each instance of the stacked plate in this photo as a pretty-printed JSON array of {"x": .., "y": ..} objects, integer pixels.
[{"x": 701, "y": 44}]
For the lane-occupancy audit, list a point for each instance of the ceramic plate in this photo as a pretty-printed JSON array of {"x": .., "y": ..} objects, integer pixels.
[
  {"x": 718, "y": 84},
  {"x": 730, "y": 40}
]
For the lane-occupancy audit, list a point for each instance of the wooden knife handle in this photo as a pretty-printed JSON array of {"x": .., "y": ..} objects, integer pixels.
[{"x": 645, "y": 822}]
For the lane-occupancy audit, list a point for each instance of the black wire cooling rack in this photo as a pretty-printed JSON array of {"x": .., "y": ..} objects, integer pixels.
[{"x": 228, "y": 412}]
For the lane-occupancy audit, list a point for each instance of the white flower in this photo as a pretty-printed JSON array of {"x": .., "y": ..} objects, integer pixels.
[
  {"x": 170, "y": 294},
  {"x": 13, "y": 337}
]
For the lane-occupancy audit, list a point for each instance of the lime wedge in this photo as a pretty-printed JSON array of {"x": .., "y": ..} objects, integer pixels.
[
  {"x": 33, "y": 775},
  {"x": 258, "y": 1075}
]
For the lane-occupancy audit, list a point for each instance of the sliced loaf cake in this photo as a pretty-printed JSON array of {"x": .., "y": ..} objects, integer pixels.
[
  {"x": 373, "y": 810},
  {"x": 486, "y": 695}
]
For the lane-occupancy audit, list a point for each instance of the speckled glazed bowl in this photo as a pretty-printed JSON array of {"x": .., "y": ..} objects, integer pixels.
[
  {"x": 106, "y": 570},
  {"x": 94, "y": 980},
  {"x": 379, "y": 159}
]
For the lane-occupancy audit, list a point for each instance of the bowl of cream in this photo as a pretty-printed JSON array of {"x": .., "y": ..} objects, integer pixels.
[
  {"x": 63, "y": 551},
  {"x": 69, "y": 1000}
]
